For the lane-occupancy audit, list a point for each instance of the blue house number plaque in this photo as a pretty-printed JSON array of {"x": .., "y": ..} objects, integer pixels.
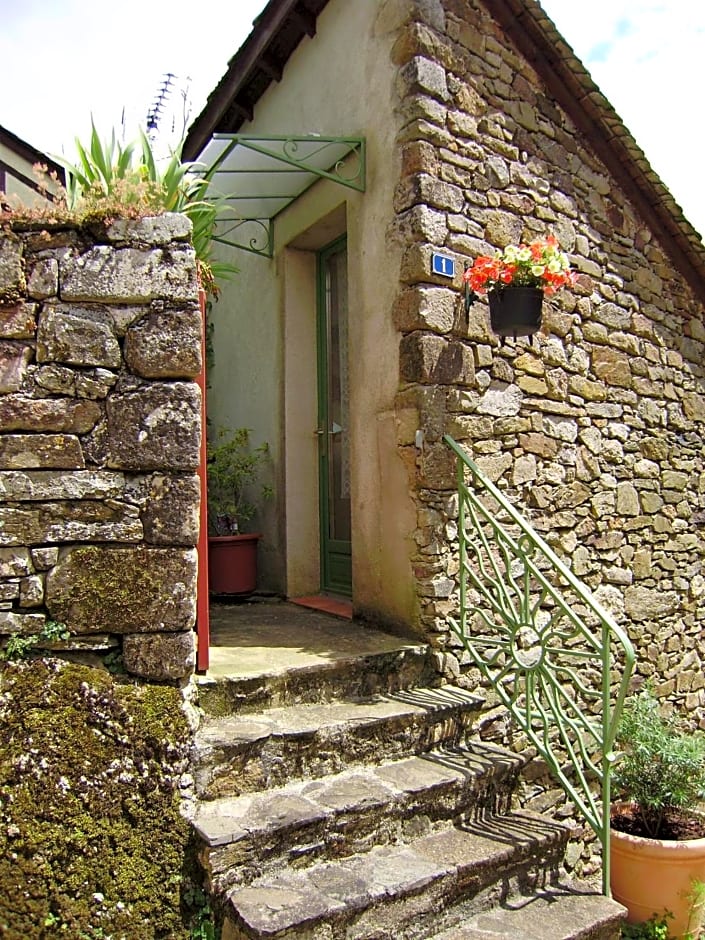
[{"x": 443, "y": 265}]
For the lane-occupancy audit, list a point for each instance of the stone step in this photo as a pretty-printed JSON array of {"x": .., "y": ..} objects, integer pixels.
[
  {"x": 401, "y": 892},
  {"x": 244, "y": 754},
  {"x": 388, "y": 670},
  {"x": 549, "y": 915},
  {"x": 350, "y": 812}
]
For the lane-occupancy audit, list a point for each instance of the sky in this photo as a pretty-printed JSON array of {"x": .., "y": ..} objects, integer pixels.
[{"x": 63, "y": 60}]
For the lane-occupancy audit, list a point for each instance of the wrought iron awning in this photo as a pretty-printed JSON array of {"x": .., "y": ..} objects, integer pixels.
[{"x": 255, "y": 178}]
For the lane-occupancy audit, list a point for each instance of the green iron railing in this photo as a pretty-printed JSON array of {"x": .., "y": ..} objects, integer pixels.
[{"x": 555, "y": 658}]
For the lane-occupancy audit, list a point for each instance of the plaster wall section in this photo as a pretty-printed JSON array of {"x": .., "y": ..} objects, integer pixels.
[
  {"x": 333, "y": 89},
  {"x": 100, "y": 432},
  {"x": 595, "y": 430},
  {"x": 12, "y": 168}
]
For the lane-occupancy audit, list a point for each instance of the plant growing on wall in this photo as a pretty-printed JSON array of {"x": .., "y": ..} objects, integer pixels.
[{"x": 110, "y": 179}]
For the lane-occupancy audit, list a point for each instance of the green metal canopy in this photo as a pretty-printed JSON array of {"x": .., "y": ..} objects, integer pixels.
[{"x": 256, "y": 178}]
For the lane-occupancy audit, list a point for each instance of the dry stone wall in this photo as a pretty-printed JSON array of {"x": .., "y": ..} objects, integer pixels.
[
  {"x": 595, "y": 430},
  {"x": 100, "y": 428}
]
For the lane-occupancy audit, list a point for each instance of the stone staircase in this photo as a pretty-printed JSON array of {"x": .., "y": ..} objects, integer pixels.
[{"x": 346, "y": 800}]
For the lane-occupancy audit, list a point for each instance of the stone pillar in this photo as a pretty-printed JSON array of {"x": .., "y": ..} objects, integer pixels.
[{"x": 99, "y": 439}]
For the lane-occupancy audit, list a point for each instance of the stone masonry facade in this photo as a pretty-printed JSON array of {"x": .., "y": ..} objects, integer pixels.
[
  {"x": 100, "y": 429},
  {"x": 595, "y": 429}
]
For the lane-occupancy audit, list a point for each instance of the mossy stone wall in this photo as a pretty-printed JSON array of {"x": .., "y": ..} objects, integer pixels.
[
  {"x": 92, "y": 840},
  {"x": 100, "y": 429}
]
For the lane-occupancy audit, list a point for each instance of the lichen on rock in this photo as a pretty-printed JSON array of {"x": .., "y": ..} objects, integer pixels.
[{"x": 92, "y": 840}]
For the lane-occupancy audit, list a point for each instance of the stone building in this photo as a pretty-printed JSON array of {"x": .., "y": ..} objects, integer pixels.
[{"x": 357, "y": 140}]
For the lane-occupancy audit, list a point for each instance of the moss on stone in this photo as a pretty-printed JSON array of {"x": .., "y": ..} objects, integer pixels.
[{"x": 92, "y": 843}]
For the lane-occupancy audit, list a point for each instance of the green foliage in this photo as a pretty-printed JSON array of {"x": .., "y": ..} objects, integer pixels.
[
  {"x": 113, "y": 662},
  {"x": 110, "y": 179},
  {"x": 663, "y": 767},
  {"x": 132, "y": 172},
  {"x": 92, "y": 841},
  {"x": 696, "y": 899},
  {"x": 19, "y": 646},
  {"x": 233, "y": 467},
  {"x": 203, "y": 925},
  {"x": 654, "y": 929}
]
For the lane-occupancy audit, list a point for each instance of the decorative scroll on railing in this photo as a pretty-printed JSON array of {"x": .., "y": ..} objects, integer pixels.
[
  {"x": 555, "y": 658},
  {"x": 253, "y": 178}
]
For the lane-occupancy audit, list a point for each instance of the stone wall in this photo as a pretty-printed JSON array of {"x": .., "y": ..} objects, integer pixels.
[
  {"x": 595, "y": 430},
  {"x": 100, "y": 429}
]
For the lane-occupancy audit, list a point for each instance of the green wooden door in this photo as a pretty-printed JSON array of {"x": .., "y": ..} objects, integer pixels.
[{"x": 334, "y": 419}]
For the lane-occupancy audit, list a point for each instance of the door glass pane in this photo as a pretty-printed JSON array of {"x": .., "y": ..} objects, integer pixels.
[{"x": 338, "y": 403}]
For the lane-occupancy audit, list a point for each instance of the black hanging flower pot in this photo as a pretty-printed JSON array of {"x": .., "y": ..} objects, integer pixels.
[{"x": 515, "y": 310}]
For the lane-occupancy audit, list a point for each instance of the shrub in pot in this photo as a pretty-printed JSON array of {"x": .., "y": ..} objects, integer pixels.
[
  {"x": 657, "y": 845},
  {"x": 233, "y": 469}
]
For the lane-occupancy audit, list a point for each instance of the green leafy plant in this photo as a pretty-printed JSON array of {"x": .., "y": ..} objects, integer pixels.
[
  {"x": 656, "y": 928},
  {"x": 662, "y": 768},
  {"x": 114, "y": 663},
  {"x": 202, "y": 921},
  {"x": 233, "y": 467},
  {"x": 19, "y": 646},
  {"x": 110, "y": 179},
  {"x": 132, "y": 172}
]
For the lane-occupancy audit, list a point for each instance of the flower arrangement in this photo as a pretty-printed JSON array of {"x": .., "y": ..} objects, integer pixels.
[{"x": 539, "y": 264}]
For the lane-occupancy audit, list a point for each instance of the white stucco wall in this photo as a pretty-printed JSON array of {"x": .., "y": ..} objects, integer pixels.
[
  {"x": 16, "y": 168},
  {"x": 339, "y": 83}
]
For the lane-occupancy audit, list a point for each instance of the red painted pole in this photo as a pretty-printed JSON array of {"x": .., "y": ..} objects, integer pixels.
[{"x": 202, "y": 612}]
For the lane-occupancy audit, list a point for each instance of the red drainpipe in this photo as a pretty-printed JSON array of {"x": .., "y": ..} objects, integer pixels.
[{"x": 202, "y": 613}]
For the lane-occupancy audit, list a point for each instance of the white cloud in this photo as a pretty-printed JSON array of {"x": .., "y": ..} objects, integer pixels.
[
  {"x": 63, "y": 60},
  {"x": 646, "y": 57}
]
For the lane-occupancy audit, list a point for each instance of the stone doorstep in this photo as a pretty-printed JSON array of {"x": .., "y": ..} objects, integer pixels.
[
  {"x": 552, "y": 915},
  {"x": 353, "y": 676},
  {"x": 458, "y": 863},
  {"x": 260, "y": 751},
  {"x": 340, "y": 813}
]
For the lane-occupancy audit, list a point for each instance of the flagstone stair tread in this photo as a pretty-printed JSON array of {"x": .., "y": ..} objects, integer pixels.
[
  {"x": 245, "y": 753},
  {"x": 556, "y": 915},
  {"x": 399, "y": 782},
  {"x": 311, "y": 718},
  {"x": 469, "y": 858},
  {"x": 256, "y": 685}
]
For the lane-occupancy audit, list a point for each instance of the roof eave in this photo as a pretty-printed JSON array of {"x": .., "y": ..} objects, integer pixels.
[
  {"x": 249, "y": 58},
  {"x": 29, "y": 153}
]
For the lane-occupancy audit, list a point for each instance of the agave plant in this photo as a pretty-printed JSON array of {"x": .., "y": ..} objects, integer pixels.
[{"x": 126, "y": 178}]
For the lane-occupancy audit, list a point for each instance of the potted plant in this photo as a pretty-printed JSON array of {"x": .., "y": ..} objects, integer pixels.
[
  {"x": 233, "y": 467},
  {"x": 657, "y": 843},
  {"x": 516, "y": 280}
]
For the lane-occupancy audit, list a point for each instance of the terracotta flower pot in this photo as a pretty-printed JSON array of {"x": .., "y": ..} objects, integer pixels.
[
  {"x": 232, "y": 563},
  {"x": 653, "y": 876}
]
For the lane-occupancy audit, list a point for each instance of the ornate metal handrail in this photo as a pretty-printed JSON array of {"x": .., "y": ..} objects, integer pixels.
[{"x": 544, "y": 643}]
